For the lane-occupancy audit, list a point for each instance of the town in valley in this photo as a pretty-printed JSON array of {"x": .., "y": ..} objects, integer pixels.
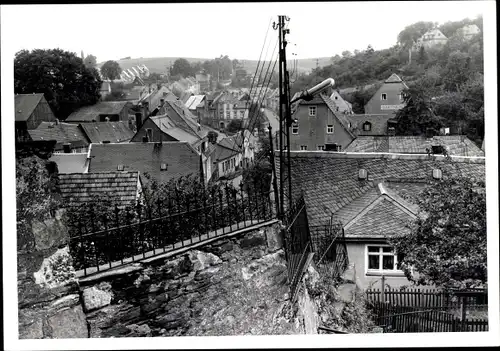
[{"x": 180, "y": 196}]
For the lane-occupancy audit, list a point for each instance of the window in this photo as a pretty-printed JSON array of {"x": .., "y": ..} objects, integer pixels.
[
  {"x": 149, "y": 131},
  {"x": 228, "y": 115},
  {"x": 303, "y": 147},
  {"x": 312, "y": 110},
  {"x": 321, "y": 147},
  {"x": 329, "y": 129},
  {"x": 367, "y": 126},
  {"x": 382, "y": 259},
  {"x": 384, "y": 96},
  {"x": 242, "y": 114},
  {"x": 295, "y": 128}
]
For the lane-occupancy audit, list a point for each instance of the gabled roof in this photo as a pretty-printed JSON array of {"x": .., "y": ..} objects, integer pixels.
[
  {"x": 71, "y": 163},
  {"x": 456, "y": 145},
  {"x": 61, "y": 132},
  {"x": 226, "y": 148},
  {"x": 119, "y": 187},
  {"x": 329, "y": 180},
  {"x": 25, "y": 105},
  {"x": 105, "y": 86},
  {"x": 167, "y": 126},
  {"x": 92, "y": 112},
  {"x": 340, "y": 116},
  {"x": 394, "y": 78},
  {"x": 181, "y": 159},
  {"x": 114, "y": 132},
  {"x": 184, "y": 119}
]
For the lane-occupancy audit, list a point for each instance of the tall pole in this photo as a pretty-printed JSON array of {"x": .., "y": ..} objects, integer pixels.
[{"x": 281, "y": 115}]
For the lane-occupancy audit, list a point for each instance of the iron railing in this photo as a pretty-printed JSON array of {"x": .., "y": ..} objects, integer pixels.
[
  {"x": 100, "y": 241},
  {"x": 298, "y": 250}
]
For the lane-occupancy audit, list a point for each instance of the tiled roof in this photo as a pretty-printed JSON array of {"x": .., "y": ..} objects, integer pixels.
[
  {"x": 25, "y": 104},
  {"x": 385, "y": 219},
  {"x": 456, "y": 145},
  {"x": 119, "y": 187},
  {"x": 378, "y": 124},
  {"x": 184, "y": 119},
  {"x": 61, "y": 132},
  {"x": 180, "y": 157},
  {"x": 71, "y": 163},
  {"x": 114, "y": 132},
  {"x": 91, "y": 113},
  {"x": 329, "y": 180},
  {"x": 340, "y": 116}
]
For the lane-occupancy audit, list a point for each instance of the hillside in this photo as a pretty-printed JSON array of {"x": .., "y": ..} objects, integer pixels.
[{"x": 159, "y": 64}]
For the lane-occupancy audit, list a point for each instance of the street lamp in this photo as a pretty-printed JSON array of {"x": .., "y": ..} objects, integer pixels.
[{"x": 309, "y": 93}]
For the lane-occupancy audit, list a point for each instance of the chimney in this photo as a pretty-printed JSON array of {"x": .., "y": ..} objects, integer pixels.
[
  {"x": 391, "y": 131},
  {"x": 145, "y": 109},
  {"x": 67, "y": 148},
  {"x": 162, "y": 101},
  {"x": 138, "y": 120}
]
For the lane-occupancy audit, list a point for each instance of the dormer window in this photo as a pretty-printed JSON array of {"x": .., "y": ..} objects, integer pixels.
[
  {"x": 384, "y": 96},
  {"x": 367, "y": 126},
  {"x": 120, "y": 167},
  {"x": 163, "y": 167},
  {"x": 312, "y": 111}
]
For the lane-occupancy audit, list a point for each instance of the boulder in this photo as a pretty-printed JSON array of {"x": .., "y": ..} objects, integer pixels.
[
  {"x": 69, "y": 323},
  {"x": 203, "y": 260},
  {"x": 56, "y": 270},
  {"x": 94, "y": 298}
]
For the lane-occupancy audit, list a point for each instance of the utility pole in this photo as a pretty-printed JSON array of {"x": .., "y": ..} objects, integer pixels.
[{"x": 284, "y": 118}]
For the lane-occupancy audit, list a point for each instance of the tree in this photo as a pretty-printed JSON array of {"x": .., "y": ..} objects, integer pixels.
[
  {"x": 417, "y": 115},
  {"x": 111, "y": 70},
  {"x": 446, "y": 246},
  {"x": 457, "y": 70},
  {"x": 422, "y": 56},
  {"x": 36, "y": 196},
  {"x": 90, "y": 61},
  {"x": 408, "y": 36},
  {"x": 60, "y": 75},
  {"x": 234, "y": 126},
  {"x": 182, "y": 67},
  {"x": 346, "y": 53}
]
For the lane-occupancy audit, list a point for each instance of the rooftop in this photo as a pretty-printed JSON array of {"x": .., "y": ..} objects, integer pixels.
[
  {"x": 179, "y": 157},
  {"x": 61, "y": 132},
  {"x": 92, "y": 112},
  {"x": 114, "y": 132},
  {"x": 25, "y": 105},
  {"x": 329, "y": 180},
  {"x": 456, "y": 145},
  {"x": 119, "y": 187}
]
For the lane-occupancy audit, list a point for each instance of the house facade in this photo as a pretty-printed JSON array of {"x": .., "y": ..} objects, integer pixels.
[
  {"x": 30, "y": 111},
  {"x": 223, "y": 109},
  {"x": 319, "y": 126},
  {"x": 469, "y": 31},
  {"x": 373, "y": 198},
  {"x": 389, "y": 97},
  {"x": 433, "y": 38}
]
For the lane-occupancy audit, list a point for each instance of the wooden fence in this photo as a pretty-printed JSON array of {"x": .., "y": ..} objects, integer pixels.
[
  {"x": 425, "y": 298},
  {"x": 408, "y": 319}
]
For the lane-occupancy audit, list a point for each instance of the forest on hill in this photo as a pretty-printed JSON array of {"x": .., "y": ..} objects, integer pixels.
[{"x": 446, "y": 80}]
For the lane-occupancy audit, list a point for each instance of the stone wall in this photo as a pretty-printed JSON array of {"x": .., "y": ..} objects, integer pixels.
[
  {"x": 168, "y": 296},
  {"x": 48, "y": 293}
]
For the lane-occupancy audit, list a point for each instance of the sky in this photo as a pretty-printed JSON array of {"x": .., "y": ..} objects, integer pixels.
[{"x": 207, "y": 30}]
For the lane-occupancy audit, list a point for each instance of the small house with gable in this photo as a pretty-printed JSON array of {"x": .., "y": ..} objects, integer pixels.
[
  {"x": 388, "y": 98},
  {"x": 30, "y": 111}
]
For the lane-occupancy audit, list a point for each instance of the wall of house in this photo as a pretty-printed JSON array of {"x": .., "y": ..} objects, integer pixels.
[
  {"x": 41, "y": 113},
  {"x": 393, "y": 103},
  {"x": 230, "y": 169},
  {"x": 312, "y": 130},
  {"x": 357, "y": 257}
]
